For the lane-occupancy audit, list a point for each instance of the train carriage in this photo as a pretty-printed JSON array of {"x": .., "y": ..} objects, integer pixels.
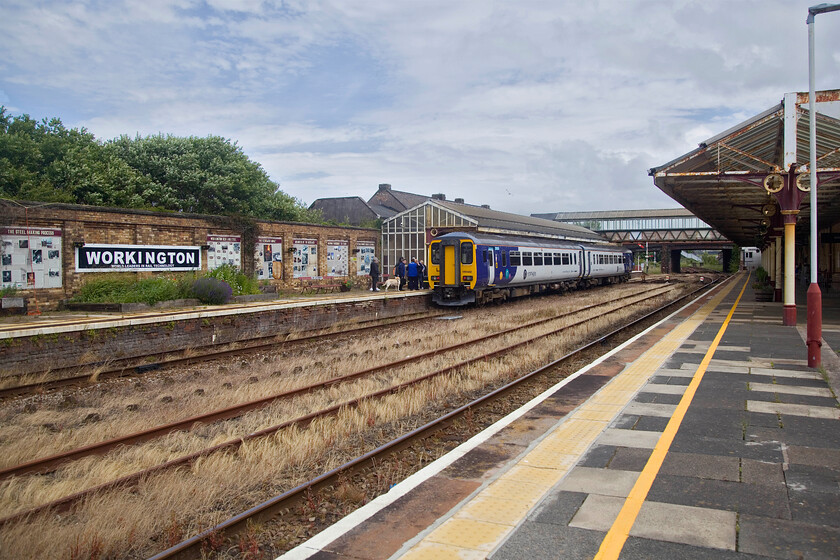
[{"x": 472, "y": 268}]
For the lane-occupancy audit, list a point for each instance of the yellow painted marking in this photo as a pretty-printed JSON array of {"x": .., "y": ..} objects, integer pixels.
[
  {"x": 617, "y": 535},
  {"x": 495, "y": 510},
  {"x": 469, "y": 533}
]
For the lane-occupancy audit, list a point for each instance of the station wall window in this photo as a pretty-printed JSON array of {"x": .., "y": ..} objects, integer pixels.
[{"x": 515, "y": 258}]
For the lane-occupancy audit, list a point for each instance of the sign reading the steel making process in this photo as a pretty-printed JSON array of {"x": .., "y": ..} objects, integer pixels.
[
  {"x": 134, "y": 258},
  {"x": 31, "y": 257}
]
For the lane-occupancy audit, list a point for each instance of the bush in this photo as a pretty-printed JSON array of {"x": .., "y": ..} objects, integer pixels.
[
  {"x": 212, "y": 291},
  {"x": 127, "y": 289},
  {"x": 240, "y": 283}
]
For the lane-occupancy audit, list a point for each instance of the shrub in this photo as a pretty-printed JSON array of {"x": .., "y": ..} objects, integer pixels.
[
  {"x": 240, "y": 283},
  {"x": 127, "y": 289},
  {"x": 212, "y": 291}
]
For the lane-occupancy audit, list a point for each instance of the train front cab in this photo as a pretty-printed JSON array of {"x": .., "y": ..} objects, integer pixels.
[{"x": 452, "y": 270}]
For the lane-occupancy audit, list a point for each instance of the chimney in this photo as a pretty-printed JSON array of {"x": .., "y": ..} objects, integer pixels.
[
  {"x": 439, "y": 196},
  {"x": 459, "y": 200},
  {"x": 486, "y": 206},
  {"x": 384, "y": 187}
]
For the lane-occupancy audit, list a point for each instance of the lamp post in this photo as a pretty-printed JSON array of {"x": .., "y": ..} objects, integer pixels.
[{"x": 814, "y": 299}]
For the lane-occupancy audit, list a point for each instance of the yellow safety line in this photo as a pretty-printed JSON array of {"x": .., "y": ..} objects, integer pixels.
[{"x": 617, "y": 535}]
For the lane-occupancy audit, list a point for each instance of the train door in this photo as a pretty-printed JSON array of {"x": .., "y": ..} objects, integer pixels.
[
  {"x": 584, "y": 267},
  {"x": 450, "y": 262},
  {"x": 491, "y": 266}
]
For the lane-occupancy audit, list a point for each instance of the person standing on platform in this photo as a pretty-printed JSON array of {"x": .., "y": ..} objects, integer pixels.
[
  {"x": 399, "y": 272},
  {"x": 374, "y": 275},
  {"x": 413, "y": 274},
  {"x": 424, "y": 281}
]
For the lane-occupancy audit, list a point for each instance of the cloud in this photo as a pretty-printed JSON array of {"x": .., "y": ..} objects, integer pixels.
[{"x": 530, "y": 107}]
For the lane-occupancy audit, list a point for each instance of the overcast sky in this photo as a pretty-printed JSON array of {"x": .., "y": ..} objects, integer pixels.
[{"x": 529, "y": 106}]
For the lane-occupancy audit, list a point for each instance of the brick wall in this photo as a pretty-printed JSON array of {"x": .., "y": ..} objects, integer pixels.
[
  {"x": 87, "y": 224},
  {"x": 72, "y": 347}
]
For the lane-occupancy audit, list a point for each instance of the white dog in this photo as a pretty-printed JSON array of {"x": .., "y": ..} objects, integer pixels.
[{"x": 392, "y": 283}]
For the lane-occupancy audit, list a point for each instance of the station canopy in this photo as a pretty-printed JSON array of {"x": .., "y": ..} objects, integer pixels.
[{"x": 723, "y": 181}]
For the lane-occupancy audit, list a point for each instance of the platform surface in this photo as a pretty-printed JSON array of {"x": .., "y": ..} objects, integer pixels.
[{"x": 708, "y": 437}]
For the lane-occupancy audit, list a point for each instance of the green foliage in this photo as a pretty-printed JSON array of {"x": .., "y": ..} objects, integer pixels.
[
  {"x": 8, "y": 291},
  {"x": 240, "y": 283},
  {"x": 44, "y": 161},
  {"x": 211, "y": 290},
  {"x": 762, "y": 276},
  {"x": 127, "y": 289},
  {"x": 735, "y": 261}
]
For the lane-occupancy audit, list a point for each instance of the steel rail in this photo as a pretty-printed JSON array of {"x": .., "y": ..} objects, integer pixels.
[
  {"x": 52, "y": 462},
  {"x": 192, "y": 548},
  {"x": 65, "y": 503},
  {"x": 115, "y": 371}
]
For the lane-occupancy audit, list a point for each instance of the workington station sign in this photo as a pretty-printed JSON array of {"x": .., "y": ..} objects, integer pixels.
[{"x": 134, "y": 258}]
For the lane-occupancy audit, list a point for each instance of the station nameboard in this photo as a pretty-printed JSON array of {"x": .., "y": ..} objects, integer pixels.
[{"x": 134, "y": 258}]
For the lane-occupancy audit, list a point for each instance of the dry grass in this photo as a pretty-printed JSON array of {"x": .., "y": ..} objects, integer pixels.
[{"x": 180, "y": 503}]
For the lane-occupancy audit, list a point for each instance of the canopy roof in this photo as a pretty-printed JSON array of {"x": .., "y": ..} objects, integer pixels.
[{"x": 722, "y": 181}]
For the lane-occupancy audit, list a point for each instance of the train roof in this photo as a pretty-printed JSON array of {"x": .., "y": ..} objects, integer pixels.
[{"x": 490, "y": 239}]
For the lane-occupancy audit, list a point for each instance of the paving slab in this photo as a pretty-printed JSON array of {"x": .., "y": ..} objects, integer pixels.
[
  {"x": 784, "y": 409},
  {"x": 755, "y": 499},
  {"x": 787, "y": 539},
  {"x": 651, "y": 409},
  {"x": 803, "y": 455},
  {"x": 761, "y": 472},
  {"x": 629, "y": 438},
  {"x": 608, "y": 482},
  {"x": 814, "y": 479},
  {"x": 702, "y": 466}
]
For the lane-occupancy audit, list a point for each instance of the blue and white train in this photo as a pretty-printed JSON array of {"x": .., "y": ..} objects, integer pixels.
[{"x": 476, "y": 268}]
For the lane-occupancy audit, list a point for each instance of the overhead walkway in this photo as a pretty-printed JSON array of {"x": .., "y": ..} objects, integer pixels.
[{"x": 709, "y": 438}]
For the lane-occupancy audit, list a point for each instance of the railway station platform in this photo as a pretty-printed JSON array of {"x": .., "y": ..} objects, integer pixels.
[{"x": 706, "y": 436}]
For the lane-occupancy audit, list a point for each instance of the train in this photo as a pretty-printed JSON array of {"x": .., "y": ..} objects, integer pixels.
[{"x": 467, "y": 268}]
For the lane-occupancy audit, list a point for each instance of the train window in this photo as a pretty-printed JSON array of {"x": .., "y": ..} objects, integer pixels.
[
  {"x": 435, "y": 258},
  {"x": 575, "y": 257},
  {"x": 484, "y": 256},
  {"x": 504, "y": 258},
  {"x": 515, "y": 258},
  {"x": 557, "y": 257},
  {"x": 566, "y": 258},
  {"x": 527, "y": 259},
  {"x": 466, "y": 253},
  {"x": 538, "y": 259}
]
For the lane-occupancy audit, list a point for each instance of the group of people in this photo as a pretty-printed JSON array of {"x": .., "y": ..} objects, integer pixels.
[{"x": 412, "y": 274}]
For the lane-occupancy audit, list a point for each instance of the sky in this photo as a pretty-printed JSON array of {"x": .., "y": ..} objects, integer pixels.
[{"x": 529, "y": 106}]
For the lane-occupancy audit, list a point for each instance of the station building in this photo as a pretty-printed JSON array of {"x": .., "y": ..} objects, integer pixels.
[
  {"x": 49, "y": 250},
  {"x": 408, "y": 233}
]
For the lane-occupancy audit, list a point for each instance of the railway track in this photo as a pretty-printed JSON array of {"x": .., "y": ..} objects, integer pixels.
[
  {"x": 48, "y": 464},
  {"x": 64, "y": 503},
  {"x": 141, "y": 365},
  {"x": 195, "y": 546}
]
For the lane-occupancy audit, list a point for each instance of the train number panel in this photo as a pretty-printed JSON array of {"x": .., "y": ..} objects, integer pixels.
[{"x": 473, "y": 268}]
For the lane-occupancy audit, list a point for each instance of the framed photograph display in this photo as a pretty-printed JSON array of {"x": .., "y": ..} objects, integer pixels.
[
  {"x": 367, "y": 250},
  {"x": 224, "y": 249},
  {"x": 337, "y": 257},
  {"x": 268, "y": 258},
  {"x": 30, "y": 257},
  {"x": 305, "y": 255}
]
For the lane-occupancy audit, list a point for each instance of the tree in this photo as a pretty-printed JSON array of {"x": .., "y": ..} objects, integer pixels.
[{"x": 44, "y": 161}]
